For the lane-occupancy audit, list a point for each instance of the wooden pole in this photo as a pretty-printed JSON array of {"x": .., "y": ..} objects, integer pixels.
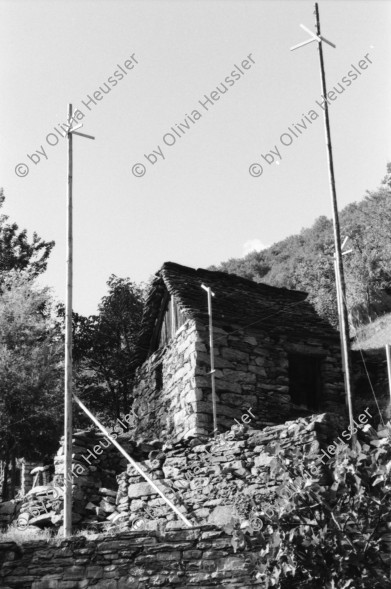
[
  {"x": 339, "y": 307},
  {"x": 212, "y": 358},
  {"x": 339, "y": 277},
  {"x": 68, "y": 349},
  {"x": 388, "y": 356}
]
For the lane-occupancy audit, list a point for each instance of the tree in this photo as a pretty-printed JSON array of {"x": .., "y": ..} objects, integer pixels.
[
  {"x": 17, "y": 252},
  {"x": 31, "y": 363},
  {"x": 104, "y": 348},
  {"x": 305, "y": 261}
]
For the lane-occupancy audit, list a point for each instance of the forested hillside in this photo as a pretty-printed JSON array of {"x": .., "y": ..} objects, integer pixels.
[{"x": 305, "y": 261}]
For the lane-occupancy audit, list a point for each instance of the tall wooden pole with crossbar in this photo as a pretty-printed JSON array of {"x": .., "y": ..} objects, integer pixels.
[
  {"x": 68, "y": 348},
  {"x": 339, "y": 271},
  {"x": 68, "y": 331}
]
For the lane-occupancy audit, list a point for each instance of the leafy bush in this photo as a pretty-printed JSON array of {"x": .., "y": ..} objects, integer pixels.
[{"x": 335, "y": 535}]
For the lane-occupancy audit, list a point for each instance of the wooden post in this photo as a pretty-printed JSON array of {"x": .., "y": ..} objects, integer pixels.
[
  {"x": 339, "y": 277},
  {"x": 388, "y": 356},
  {"x": 339, "y": 307},
  {"x": 68, "y": 349},
  {"x": 212, "y": 358}
]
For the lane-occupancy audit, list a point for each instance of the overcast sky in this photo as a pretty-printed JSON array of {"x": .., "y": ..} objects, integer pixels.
[{"x": 199, "y": 205}]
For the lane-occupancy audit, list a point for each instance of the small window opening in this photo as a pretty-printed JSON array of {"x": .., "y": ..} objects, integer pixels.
[
  {"x": 173, "y": 319},
  {"x": 305, "y": 381}
]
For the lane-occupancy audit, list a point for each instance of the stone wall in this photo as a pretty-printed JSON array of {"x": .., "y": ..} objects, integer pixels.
[
  {"x": 203, "y": 478},
  {"x": 166, "y": 392},
  {"x": 7, "y": 513},
  {"x": 96, "y": 464},
  {"x": 252, "y": 371},
  {"x": 202, "y": 557},
  {"x": 207, "y": 479}
]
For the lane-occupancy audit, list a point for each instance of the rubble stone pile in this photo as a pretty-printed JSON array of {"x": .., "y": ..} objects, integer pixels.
[
  {"x": 207, "y": 477},
  {"x": 207, "y": 480},
  {"x": 202, "y": 477}
]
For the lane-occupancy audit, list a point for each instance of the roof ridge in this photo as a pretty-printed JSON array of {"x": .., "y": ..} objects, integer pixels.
[{"x": 231, "y": 277}]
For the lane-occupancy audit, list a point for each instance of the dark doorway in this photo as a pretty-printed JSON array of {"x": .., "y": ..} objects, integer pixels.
[{"x": 305, "y": 381}]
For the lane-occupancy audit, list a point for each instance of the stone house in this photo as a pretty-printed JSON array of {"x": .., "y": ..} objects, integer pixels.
[{"x": 273, "y": 354}]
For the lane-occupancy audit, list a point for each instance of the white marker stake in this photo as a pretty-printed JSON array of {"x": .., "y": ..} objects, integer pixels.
[{"x": 212, "y": 358}]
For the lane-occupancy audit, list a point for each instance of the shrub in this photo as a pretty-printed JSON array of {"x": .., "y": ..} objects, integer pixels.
[{"x": 336, "y": 535}]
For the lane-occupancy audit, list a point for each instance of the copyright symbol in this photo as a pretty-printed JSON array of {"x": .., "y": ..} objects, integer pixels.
[
  {"x": 256, "y": 523},
  {"x": 22, "y": 526},
  {"x": 21, "y": 170},
  {"x": 138, "y": 524},
  {"x": 138, "y": 170},
  {"x": 256, "y": 170},
  {"x": 22, "y": 522}
]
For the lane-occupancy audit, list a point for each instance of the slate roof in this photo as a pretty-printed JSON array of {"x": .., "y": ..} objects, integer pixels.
[{"x": 237, "y": 302}]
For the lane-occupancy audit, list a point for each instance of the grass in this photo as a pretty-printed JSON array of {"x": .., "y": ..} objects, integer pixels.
[
  {"x": 34, "y": 534},
  {"x": 55, "y": 536},
  {"x": 375, "y": 335},
  {"x": 30, "y": 534}
]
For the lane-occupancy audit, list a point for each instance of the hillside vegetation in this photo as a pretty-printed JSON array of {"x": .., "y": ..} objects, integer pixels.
[{"x": 305, "y": 261}]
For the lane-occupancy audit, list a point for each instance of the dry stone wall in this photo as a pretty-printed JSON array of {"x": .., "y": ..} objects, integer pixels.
[
  {"x": 204, "y": 478},
  {"x": 202, "y": 558},
  {"x": 7, "y": 513},
  {"x": 166, "y": 394},
  {"x": 252, "y": 371},
  {"x": 96, "y": 464}
]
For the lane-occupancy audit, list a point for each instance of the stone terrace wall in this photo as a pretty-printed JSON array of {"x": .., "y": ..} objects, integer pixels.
[
  {"x": 201, "y": 558},
  {"x": 203, "y": 478},
  {"x": 96, "y": 465},
  {"x": 206, "y": 478},
  {"x": 95, "y": 490}
]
